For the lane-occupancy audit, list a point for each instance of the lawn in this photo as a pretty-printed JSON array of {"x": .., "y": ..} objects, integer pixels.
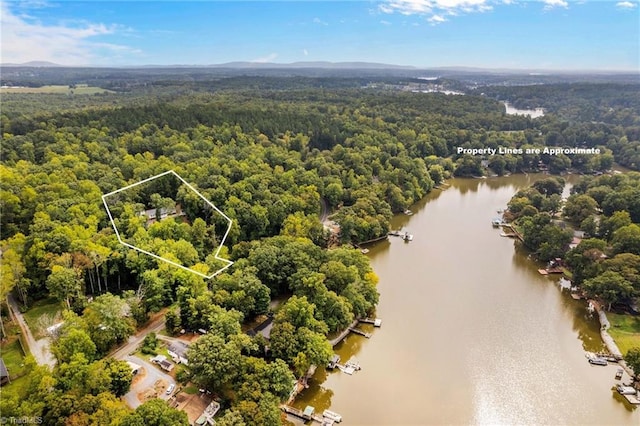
[
  {"x": 625, "y": 330},
  {"x": 79, "y": 90},
  {"x": 190, "y": 390},
  {"x": 42, "y": 314},
  {"x": 16, "y": 387},
  {"x": 13, "y": 358}
]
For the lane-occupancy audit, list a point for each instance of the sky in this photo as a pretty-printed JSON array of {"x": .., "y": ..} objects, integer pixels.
[{"x": 514, "y": 34}]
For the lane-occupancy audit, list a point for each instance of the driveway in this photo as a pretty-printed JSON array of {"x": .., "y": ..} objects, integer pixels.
[
  {"x": 38, "y": 348},
  {"x": 152, "y": 375}
]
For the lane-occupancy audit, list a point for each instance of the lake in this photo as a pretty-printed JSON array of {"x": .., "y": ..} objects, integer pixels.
[{"x": 471, "y": 332}]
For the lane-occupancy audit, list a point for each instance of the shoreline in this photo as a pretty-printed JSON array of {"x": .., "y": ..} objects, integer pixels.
[{"x": 608, "y": 341}]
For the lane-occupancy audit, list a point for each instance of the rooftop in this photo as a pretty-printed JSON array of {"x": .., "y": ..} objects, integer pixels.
[{"x": 3, "y": 369}]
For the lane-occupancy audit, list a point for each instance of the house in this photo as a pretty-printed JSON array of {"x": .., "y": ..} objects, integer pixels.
[
  {"x": 207, "y": 415},
  {"x": 158, "y": 359},
  {"x": 178, "y": 351},
  {"x": 166, "y": 365},
  {"x": 263, "y": 328},
  {"x": 574, "y": 242},
  {"x": 4, "y": 373},
  {"x": 152, "y": 214}
]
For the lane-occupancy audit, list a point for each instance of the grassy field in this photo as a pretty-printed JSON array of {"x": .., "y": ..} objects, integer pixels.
[
  {"x": 625, "y": 330},
  {"x": 79, "y": 90},
  {"x": 190, "y": 390},
  {"x": 13, "y": 358},
  {"x": 42, "y": 314}
]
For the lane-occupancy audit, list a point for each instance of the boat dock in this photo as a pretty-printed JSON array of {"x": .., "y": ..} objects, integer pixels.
[
  {"x": 548, "y": 271},
  {"x": 633, "y": 399},
  {"x": 376, "y": 322},
  {"x": 404, "y": 235},
  {"x": 360, "y": 332},
  {"x": 349, "y": 367},
  {"x": 308, "y": 414},
  {"x": 513, "y": 232},
  {"x": 335, "y": 361}
]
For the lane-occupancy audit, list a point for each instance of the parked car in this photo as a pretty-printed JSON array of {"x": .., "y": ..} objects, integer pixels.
[{"x": 170, "y": 388}]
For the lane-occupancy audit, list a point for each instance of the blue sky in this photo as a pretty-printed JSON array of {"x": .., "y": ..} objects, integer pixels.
[{"x": 519, "y": 34}]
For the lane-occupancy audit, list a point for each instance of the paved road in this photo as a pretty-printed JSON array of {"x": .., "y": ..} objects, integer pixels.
[
  {"x": 135, "y": 340},
  {"x": 152, "y": 375},
  {"x": 38, "y": 348}
]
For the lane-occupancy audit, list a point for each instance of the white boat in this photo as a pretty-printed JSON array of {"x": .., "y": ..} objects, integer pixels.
[
  {"x": 353, "y": 364},
  {"x": 347, "y": 370},
  {"x": 597, "y": 360},
  {"x": 332, "y": 415},
  {"x": 408, "y": 212},
  {"x": 626, "y": 390}
]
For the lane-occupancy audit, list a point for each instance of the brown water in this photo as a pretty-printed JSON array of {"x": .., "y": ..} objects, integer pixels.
[{"x": 471, "y": 333}]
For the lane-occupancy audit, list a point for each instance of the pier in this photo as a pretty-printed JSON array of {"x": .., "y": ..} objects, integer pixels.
[
  {"x": 376, "y": 322},
  {"x": 340, "y": 337},
  {"x": 514, "y": 231},
  {"x": 308, "y": 415},
  {"x": 547, "y": 271},
  {"x": 360, "y": 332},
  {"x": 352, "y": 329}
]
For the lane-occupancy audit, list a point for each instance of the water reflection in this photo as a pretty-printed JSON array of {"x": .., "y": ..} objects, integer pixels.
[{"x": 472, "y": 333}]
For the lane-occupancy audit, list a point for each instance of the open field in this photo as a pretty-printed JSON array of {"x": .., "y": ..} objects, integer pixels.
[
  {"x": 625, "y": 330},
  {"x": 78, "y": 90},
  {"x": 42, "y": 314}
]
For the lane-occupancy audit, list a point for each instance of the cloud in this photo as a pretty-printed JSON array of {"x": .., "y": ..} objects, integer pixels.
[
  {"x": 305, "y": 52},
  {"x": 435, "y": 8},
  {"x": 383, "y": 22},
  {"x": 320, "y": 21},
  {"x": 626, "y": 5},
  {"x": 269, "y": 58},
  {"x": 437, "y": 19},
  {"x": 25, "y": 39},
  {"x": 550, "y": 4}
]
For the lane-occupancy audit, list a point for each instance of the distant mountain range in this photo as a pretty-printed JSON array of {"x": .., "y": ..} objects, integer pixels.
[
  {"x": 326, "y": 65},
  {"x": 32, "y": 64}
]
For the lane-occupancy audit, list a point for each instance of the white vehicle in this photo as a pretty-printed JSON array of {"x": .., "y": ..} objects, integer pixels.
[{"x": 170, "y": 388}]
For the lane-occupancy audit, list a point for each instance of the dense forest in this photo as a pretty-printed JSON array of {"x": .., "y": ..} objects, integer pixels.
[{"x": 271, "y": 160}]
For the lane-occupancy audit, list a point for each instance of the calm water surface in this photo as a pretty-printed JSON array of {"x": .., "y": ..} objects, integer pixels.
[{"x": 471, "y": 333}]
